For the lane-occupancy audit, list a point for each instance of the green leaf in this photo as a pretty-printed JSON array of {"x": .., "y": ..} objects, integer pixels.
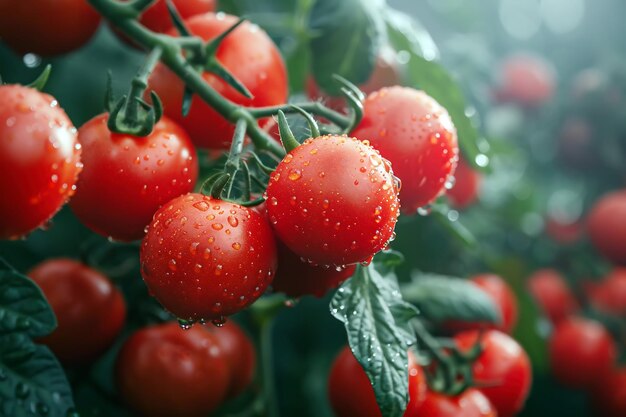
[
  {"x": 23, "y": 307},
  {"x": 32, "y": 381},
  {"x": 407, "y": 34},
  {"x": 441, "y": 298},
  {"x": 346, "y": 36},
  {"x": 377, "y": 323}
]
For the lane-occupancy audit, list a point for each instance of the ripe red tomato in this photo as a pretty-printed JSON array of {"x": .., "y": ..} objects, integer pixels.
[
  {"x": 157, "y": 18},
  {"x": 471, "y": 403},
  {"x": 565, "y": 233},
  {"x": 609, "y": 399},
  {"x": 351, "y": 393},
  {"x": 297, "y": 278},
  {"x": 607, "y": 228},
  {"x": 505, "y": 368},
  {"x": 249, "y": 54},
  {"x": 502, "y": 295},
  {"x": 204, "y": 258},
  {"x": 127, "y": 178},
  {"x": 466, "y": 186},
  {"x": 527, "y": 80},
  {"x": 90, "y": 311},
  {"x": 551, "y": 292},
  {"x": 581, "y": 352},
  {"x": 47, "y": 27},
  {"x": 39, "y": 156},
  {"x": 333, "y": 201},
  {"x": 610, "y": 295},
  {"x": 164, "y": 371},
  {"x": 239, "y": 353},
  {"x": 417, "y": 136}
]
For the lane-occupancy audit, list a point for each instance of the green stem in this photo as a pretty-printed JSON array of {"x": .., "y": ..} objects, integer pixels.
[
  {"x": 140, "y": 82},
  {"x": 267, "y": 366},
  {"x": 315, "y": 108}
]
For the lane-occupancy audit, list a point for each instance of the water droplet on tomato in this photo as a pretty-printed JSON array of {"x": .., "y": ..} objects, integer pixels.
[{"x": 295, "y": 174}]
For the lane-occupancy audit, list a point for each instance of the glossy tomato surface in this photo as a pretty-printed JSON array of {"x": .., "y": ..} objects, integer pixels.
[
  {"x": 607, "y": 228},
  {"x": 47, "y": 27},
  {"x": 39, "y": 156},
  {"x": 503, "y": 367},
  {"x": 165, "y": 371},
  {"x": 551, "y": 292},
  {"x": 502, "y": 295},
  {"x": 471, "y": 403},
  {"x": 249, "y": 54},
  {"x": 333, "y": 201},
  {"x": 90, "y": 311},
  {"x": 126, "y": 178},
  {"x": 417, "y": 136},
  {"x": 351, "y": 393},
  {"x": 205, "y": 259},
  {"x": 466, "y": 186},
  {"x": 581, "y": 352}
]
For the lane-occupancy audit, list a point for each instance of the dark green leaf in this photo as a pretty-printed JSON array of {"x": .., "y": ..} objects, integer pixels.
[
  {"x": 31, "y": 380},
  {"x": 407, "y": 34},
  {"x": 377, "y": 322},
  {"x": 441, "y": 298},
  {"x": 23, "y": 307},
  {"x": 453, "y": 226}
]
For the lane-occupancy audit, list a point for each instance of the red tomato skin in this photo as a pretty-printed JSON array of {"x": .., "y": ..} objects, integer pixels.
[
  {"x": 90, "y": 311},
  {"x": 471, "y": 403},
  {"x": 165, "y": 371},
  {"x": 127, "y": 178},
  {"x": 607, "y": 228},
  {"x": 40, "y": 159},
  {"x": 47, "y": 27},
  {"x": 417, "y": 136},
  {"x": 249, "y": 54},
  {"x": 156, "y": 17},
  {"x": 504, "y": 365},
  {"x": 610, "y": 295},
  {"x": 205, "y": 259},
  {"x": 351, "y": 393},
  {"x": 609, "y": 399},
  {"x": 527, "y": 80},
  {"x": 551, "y": 292},
  {"x": 467, "y": 182},
  {"x": 297, "y": 278},
  {"x": 564, "y": 233},
  {"x": 502, "y": 295},
  {"x": 333, "y": 201},
  {"x": 581, "y": 352}
]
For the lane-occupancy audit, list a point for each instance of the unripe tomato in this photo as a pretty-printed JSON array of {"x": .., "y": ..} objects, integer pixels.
[
  {"x": 417, "y": 136},
  {"x": 239, "y": 353},
  {"x": 550, "y": 291},
  {"x": 333, "y": 201},
  {"x": 609, "y": 398},
  {"x": 607, "y": 228},
  {"x": 39, "y": 156},
  {"x": 527, "y": 80},
  {"x": 503, "y": 366},
  {"x": 581, "y": 353},
  {"x": 296, "y": 278},
  {"x": 165, "y": 371},
  {"x": 90, "y": 311},
  {"x": 471, "y": 403},
  {"x": 249, "y": 54},
  {"x": 47, "y": 27},
  {"x": 204, "y": 258},
  {"x": 503, "y": 297},
  {"x": 466, "y": 186},
  {"x": 351, "y": 393},
  {"x": 127, "y": 178},
  {"x": 610, "y": 295},
  {"x": 157, "y": 18}
]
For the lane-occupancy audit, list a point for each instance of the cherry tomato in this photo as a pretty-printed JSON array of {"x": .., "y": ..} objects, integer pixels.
[
  {"x": 607, "y": 228},
  {"x": 610, "y": 295},
  {"x": 47, "y": 27},
  {"x": 581, "y": 352},
  {"x": 204, "y": 258},
  {"x": 471, "y": 403},
  {"x": 297, "y": 278},
  {"x": 504, "y": 366},
  {"x": 565, "y": 233},
  {"x": 238, "y": 352},
  {"x": 527, "y": 80},
  {"x": 90, "y": 311},
  {"x": 502, "y": 295},
  {"x": 351, "y": 393},
  {"x": 157, "y": 18},
  {"x": 333, "y": 201},
  {"x": 127, "y": 178},
  {"x": 609, "y": 399},
  {"x": 466, "y": 186},
  {"x": 417, "y": 136},
  {"x": 551, "y": 292},
  {"x": 39, "y": 156},
  {"x": 249, "y": 54},
  {"x": 163, "y": 370}
]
